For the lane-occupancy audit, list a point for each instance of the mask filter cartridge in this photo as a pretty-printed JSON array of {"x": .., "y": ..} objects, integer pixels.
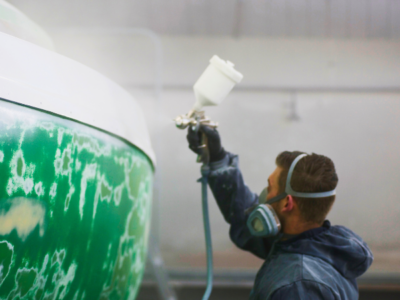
[{"x": 263, "y": 221}]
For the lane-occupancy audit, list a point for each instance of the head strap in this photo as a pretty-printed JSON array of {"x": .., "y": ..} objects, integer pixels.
[{"x": 290, "y": 191}]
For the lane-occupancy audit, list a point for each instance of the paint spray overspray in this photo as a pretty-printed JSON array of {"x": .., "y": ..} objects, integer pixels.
[{"x": 211, "y": 89}]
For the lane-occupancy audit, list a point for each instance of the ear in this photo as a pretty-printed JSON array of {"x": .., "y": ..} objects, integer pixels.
[{"x": 289, "y": 205}]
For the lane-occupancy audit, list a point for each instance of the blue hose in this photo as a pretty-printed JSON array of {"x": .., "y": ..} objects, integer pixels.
[{"x": 205, "y": 171}]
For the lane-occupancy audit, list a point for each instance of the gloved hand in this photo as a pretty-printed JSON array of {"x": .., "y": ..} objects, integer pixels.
[{"x": 214, "y": 142}]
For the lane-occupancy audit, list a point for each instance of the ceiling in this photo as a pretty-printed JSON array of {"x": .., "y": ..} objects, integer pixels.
[{"x": 276, "y": 18}]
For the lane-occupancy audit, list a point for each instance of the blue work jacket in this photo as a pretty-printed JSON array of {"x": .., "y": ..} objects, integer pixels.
[{"x": 321, "y": 263}]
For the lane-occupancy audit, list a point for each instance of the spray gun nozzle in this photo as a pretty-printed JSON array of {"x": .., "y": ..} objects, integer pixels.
[{"x": 194, "y": 118}]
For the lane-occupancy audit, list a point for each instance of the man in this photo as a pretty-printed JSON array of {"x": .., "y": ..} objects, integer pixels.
[{"x": 305, "y": 257}]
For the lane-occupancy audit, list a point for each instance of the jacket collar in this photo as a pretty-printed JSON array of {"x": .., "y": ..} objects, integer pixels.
[{"x": 307, "y": 234}]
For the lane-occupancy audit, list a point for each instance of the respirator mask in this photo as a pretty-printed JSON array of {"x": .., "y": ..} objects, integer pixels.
[{"x": 263, "y": 220}]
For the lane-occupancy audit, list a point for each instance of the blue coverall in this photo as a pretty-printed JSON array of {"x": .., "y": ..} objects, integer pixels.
[{"x": 321, "y": 263}]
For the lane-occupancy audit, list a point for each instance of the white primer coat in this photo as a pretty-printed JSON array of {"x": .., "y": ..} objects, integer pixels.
[
  {"x": 37, "y": 77},
  {"x": 3, "y": 274},
  {"x": 23, "y": 215}
]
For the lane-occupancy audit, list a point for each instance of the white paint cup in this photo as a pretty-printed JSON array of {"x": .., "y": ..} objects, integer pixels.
[{"x": 215, "y": 83}]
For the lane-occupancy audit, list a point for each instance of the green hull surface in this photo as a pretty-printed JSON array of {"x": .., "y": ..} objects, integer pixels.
[{"x": 74, "y": 209}]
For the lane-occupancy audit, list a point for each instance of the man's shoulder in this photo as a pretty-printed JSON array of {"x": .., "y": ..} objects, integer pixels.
[
  {"x": 305, "y": 289},
  {"x": 318, "y": 270},
  {"x": 293, "y": 267},
  {"x": 287, "y": 274}
]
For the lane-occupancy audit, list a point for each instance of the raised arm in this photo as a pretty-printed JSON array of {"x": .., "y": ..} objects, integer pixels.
[{"x": 231, "y": 193}]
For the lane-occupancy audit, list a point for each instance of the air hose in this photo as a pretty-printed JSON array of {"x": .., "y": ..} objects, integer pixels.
[{"x": 205, "y": 171}]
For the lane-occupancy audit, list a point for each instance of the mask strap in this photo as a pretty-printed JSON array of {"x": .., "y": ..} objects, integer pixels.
[
  {"x": 290, "y": 191},
  {"x": 276, "y": 198},
  {"x": 249, "y": 210}
]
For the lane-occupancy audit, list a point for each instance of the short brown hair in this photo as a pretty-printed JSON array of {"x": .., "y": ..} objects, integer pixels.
[{"x": 313, "y": 173}]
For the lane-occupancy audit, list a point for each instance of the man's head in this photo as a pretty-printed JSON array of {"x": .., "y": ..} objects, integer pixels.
[{"x": 313, "y": 173}]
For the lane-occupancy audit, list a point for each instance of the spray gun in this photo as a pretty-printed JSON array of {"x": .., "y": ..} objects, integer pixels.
[{"x": 211, "y": 88}]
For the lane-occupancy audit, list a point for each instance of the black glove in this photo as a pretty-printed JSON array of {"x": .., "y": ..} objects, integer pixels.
[{"x": 214, "y": 142}]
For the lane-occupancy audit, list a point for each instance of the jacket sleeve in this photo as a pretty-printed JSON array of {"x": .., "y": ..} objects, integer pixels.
[
  {"x": 233, "y": 198},
  {"x": 304, "y": 290}
]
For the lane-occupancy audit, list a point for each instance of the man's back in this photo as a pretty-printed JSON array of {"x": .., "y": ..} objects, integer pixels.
[{"x": 322, "y": 263}]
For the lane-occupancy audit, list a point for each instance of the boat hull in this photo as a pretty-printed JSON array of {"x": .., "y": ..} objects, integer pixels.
[{"x": 75, "y": 205}]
